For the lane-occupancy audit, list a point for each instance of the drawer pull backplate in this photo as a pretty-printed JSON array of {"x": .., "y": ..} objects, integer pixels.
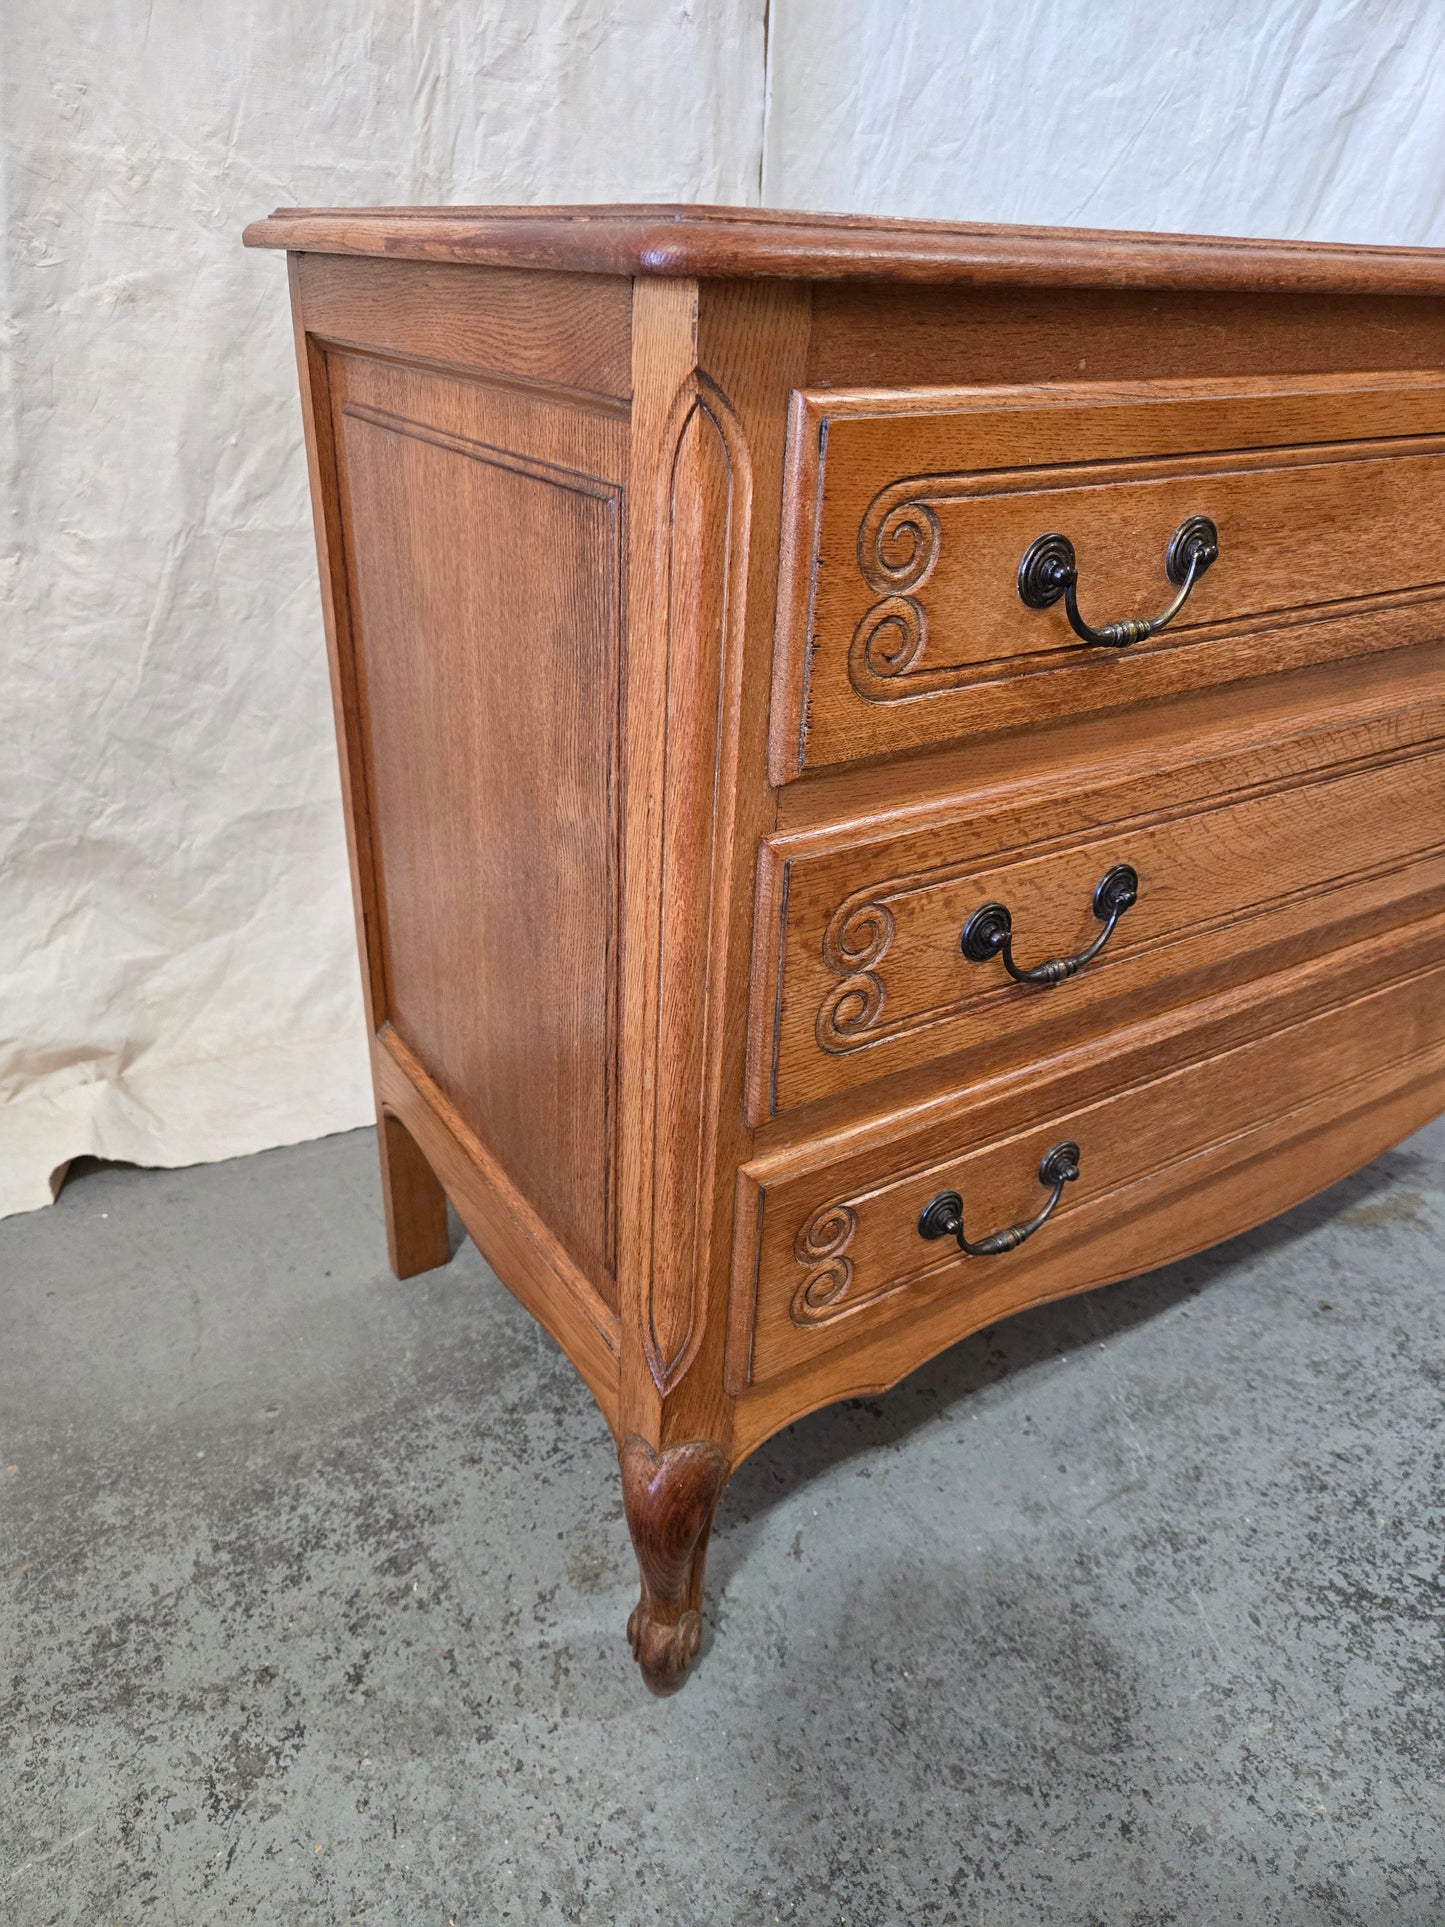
[
  {"x": 942, "y": 1217},
  {"x": 989, "y": 931},
  {"x": 1050, "y": 569}
]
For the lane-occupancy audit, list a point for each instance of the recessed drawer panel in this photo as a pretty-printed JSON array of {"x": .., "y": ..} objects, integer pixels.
[
  {"x": 908, "y": 616},
  {"x": 1104, "y": 1170},
  {"x": 882, "y": 949}
]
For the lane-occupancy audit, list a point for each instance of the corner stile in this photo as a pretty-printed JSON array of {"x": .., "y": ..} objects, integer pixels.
[
  {"x": 701, "y": 561},
  {"x": 691, "y": 492}
]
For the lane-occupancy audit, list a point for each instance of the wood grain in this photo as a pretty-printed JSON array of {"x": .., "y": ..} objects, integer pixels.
[
  {"x": 523, "y": 1251},
  {"x": 729, "y": 242},
  {"x": 670, "y": 1499},
  {"x": 413, "y": 1202},
  {"x": 1269, "y": 859},
  {"x": 589, "y": 487},
  {"x": 704, "y": 596},
  {"x": 417, "y": 1235},
  {"x": 863, "y": 335},
  {"x": 485, "y": 586},
  {"x": 902, "y": 623},
  {"x": 710, "y": 384},
  {"x": 664, "y": 364},
  {"x": 830, "y": 1242},
  {"x": 1315, "y": 1152},
  {"x": 567, "y": 332}
]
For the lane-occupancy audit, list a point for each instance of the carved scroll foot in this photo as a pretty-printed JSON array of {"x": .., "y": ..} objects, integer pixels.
[{"x": 670, "y": 1501}]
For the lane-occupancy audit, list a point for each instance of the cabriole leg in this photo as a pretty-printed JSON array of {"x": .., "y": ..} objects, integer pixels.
[{"x": 670, "y": 1500}]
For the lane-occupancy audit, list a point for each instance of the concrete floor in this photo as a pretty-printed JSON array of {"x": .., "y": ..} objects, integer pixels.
[{"x": 1128, "y": 1611}]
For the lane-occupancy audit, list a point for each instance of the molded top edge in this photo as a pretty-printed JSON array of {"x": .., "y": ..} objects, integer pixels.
[{"x": 741, "y": 242}]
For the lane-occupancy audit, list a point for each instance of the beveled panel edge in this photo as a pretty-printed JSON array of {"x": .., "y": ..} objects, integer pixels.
[
  {"x": 799, "y": 538},
  {"x": 606, "y": 489},
  {"x": 490, "y": 454},
  {"x": 866, "y": 401}
]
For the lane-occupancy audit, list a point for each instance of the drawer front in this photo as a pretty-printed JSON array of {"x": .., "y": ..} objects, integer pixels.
[
  {"x": 865, "y": 972},
  {"x": 901, "y": 622},
  {"x": 829, "y": 1246}
]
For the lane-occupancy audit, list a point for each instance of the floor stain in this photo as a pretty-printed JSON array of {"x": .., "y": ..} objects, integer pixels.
[{"x": 1402, "y": 1207}]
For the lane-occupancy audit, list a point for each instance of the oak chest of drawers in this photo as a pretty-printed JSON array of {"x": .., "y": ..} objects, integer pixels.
[{"x": 893, "y": 772}]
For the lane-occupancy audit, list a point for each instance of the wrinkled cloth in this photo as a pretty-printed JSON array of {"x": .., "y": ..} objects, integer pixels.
[
  {"x": 178, "y": 979},
  {"x": 1314, "y": 120}
]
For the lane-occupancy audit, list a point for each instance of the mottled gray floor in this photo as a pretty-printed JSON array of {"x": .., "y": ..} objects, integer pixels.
[{"x": 1128, "y": 1611}]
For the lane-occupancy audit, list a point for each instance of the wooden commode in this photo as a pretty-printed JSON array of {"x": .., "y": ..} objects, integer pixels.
[{"x": 893, "y": 771}]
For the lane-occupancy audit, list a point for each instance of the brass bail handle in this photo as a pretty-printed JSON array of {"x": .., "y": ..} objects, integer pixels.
[
  {"x": 1050, "y": 569},
  {"x": 989, "y": 931},
  {"x": 942, "y": 1217}
]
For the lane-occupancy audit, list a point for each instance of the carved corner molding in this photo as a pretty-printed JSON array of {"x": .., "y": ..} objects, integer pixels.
[
  {"x": 670, "y": 1499},
  {"x": 703, "y": 563}
]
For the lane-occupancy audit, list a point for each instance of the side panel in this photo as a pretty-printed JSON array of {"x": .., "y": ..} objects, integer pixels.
[{"x": 482, "y": 543}]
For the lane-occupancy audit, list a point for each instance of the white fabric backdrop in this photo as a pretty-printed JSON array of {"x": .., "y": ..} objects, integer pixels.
[
  {"x": 176, "y": 972},
  {"x": 1311, "y": 119},
  {"x": 177, "y": 979}
]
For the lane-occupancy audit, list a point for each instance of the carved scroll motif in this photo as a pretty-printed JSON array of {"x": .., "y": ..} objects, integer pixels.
[
  {"x": 827, "y": 1292},
  {"x": 858, "y": 933},
  {"x": 820, "y": 1245},
  {"x": 898, "y": 544}
]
